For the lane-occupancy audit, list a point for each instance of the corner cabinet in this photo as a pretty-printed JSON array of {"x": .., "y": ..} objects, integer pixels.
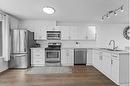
[
  {"x": 37, "y": 57},
  {"x": 114, "y": 65},
  {"x": 67, "y": 57}
]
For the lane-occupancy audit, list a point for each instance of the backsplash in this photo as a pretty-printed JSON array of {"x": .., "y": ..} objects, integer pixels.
[{"x": 70, "y": 44}]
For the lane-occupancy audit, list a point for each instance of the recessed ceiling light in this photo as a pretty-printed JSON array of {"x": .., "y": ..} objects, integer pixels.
[{"x": 48, "y": 10}]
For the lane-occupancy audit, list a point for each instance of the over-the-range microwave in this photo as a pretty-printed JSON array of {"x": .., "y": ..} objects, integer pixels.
[{"x": 53, "y": 35}]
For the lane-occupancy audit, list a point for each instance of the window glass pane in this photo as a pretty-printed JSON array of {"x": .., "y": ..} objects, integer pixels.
[{"x": 0, "y": 38}]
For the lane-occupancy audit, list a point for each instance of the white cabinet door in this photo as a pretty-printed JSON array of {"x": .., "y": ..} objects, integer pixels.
[
  {"x": 89, "y": 57},
  {"x": 95, "y": 59},
  {"x": 100, "y": 64},
  {"x": 81, "y": 33},
  {"x": 67, "y": 57},
  {"x": 64, "y": 32},
  {"x": 37, "y": 57},
  {"x": 115, "y": 69},
  {"x": 73, "y": 33},
  {"x": 106, "y": 64},
  {"x": 71, "y": 57},
  {"x": 63, "y": 57},
  {"x": 78, "y": 33},
  {"x": 40, "y": 34},
  {"x": 91, "y": 33}
]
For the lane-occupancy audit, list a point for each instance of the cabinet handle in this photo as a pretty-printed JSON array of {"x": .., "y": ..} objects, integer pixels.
[
  {"x": 111, "y": 61},
  {"x": 114, "y": 56},
  {"x": 67, "y": 54},
  {"x": 37, "y": 55},
  {"x": 100, "y": 57}
]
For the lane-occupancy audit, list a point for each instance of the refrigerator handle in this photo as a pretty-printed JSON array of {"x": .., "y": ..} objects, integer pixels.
[{"x": 25, "y": 42}]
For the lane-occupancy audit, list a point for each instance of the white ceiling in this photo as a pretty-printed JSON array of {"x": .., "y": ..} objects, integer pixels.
[{"x": 67, "y": 10}]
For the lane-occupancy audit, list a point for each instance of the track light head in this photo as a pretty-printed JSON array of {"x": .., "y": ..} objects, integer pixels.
[
  {"x": 115, "y": 13},
  {"x": 107, "y": 16},
  {"x": 102, "y": 18},
  {"x": 122, "y": 8}
]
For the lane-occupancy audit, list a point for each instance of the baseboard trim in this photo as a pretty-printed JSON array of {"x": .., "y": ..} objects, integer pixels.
[{"x": 1, "y": 72}]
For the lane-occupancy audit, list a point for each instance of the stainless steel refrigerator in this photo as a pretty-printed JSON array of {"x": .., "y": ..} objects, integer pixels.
[{"x": 21, "y": 42}]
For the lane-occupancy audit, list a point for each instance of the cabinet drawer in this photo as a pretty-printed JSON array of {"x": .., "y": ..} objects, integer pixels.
[
  {"x": 38, "y": 61},
  {"x": 37, "y": 55},
  {"x": 115, "y": 56},
  {"x": 38, "y": 52}
]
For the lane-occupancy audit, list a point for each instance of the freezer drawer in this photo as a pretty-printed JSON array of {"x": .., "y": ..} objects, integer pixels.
[
  {"x": 20, "y": 61},
  {"x": 80, "y": 56}
]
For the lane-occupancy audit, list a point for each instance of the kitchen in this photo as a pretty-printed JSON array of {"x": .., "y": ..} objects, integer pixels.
[{"x": 74, "y": 37}]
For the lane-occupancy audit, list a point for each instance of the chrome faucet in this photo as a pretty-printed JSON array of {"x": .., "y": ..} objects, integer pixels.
[{"x": 114, "y": 45}]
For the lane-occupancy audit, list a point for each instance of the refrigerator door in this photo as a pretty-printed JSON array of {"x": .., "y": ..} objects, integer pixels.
[
  {"x": 19, "y": 61},
  {"x": 15, "y": 41},
  {"x": 23, "y": 38}
]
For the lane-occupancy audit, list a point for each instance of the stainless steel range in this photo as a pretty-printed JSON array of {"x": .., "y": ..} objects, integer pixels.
[{"x": 53, "y": 54}]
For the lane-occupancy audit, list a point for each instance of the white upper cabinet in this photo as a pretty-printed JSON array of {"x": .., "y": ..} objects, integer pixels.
[
  {"x": 91, "y": 33},
  {"x": 82, "y": 33},
  {"x": 78, "y": 33},
  {"x": 73, "y": 33},
  {"x": 40, "y": 34},
  {"x": 64, "y": 32},
  {"x": 68, "y": 32}
]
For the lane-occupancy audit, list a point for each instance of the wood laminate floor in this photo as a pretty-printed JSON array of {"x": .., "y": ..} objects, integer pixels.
[{"x": 81, "y": 76}]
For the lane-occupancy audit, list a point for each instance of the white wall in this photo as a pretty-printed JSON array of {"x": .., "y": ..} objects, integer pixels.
[
  {"x": 14, "y": 22},
  {"x": 35, "y": 25},
  {"x": 107, "y": 32}
]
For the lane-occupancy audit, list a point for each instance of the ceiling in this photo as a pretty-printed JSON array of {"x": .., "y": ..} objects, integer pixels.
[{"x": 67, "y": 10}]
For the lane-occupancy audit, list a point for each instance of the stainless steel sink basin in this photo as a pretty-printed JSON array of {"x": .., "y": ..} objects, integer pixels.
[{"x": 110, "y": 49}]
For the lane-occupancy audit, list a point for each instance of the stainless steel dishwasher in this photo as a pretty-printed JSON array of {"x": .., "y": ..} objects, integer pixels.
[{"x": 80, "y": 56}]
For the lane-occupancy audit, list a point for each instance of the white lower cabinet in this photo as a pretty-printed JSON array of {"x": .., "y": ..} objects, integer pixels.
[
  {"x": 67, "y": 57},
  {"x": 37, "y": 57},
  {"x": 95, "y": 59},
  {"x": 115, "y": 69},
  {"x": 106, "y": 64},
  {"x": 89, "y": 57},
  {"x": 114, "y": 66}
]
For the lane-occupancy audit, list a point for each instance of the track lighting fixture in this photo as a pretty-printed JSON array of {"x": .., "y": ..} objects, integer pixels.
[
  {"x": 107, "y": 15},
  {"x": 115, "y": 13}
]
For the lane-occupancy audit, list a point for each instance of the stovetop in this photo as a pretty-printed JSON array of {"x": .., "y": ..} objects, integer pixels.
[{"x": 53, "y": 48}]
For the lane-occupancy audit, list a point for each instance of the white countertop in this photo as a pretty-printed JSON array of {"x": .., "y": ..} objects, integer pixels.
[{"x": 116, "y": 52}]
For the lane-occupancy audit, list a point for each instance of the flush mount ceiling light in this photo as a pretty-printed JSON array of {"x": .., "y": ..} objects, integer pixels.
[
  {"x": 48, "y": 10},
  {"x": 107, "y": 15}
]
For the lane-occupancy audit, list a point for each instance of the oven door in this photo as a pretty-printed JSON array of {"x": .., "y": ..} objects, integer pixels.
[{"x": 53, "y": 55}]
